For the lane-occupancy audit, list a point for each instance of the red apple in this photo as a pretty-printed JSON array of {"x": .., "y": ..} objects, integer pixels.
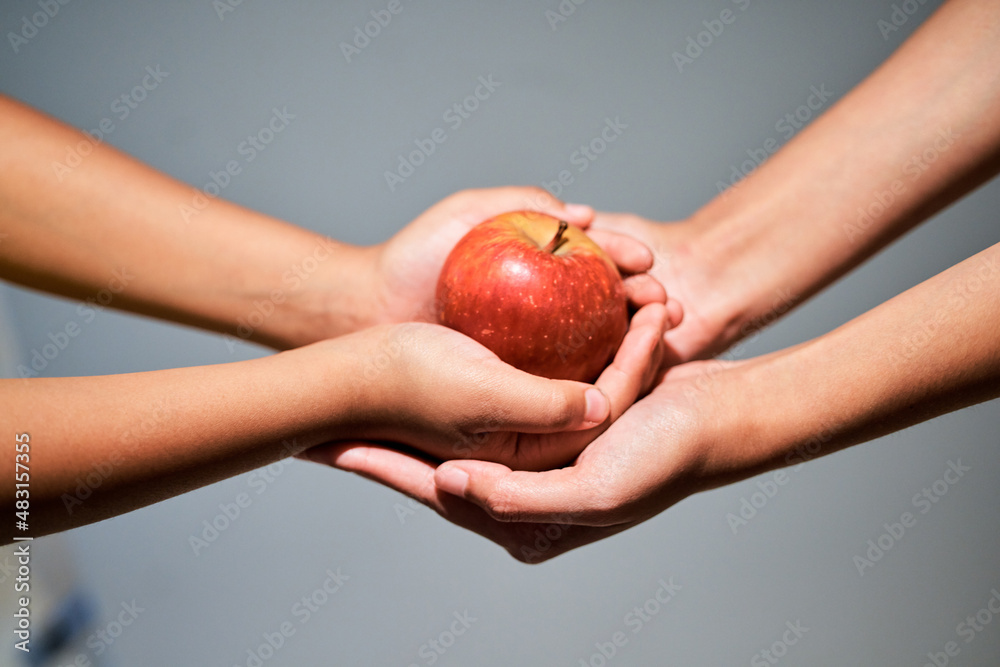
[{"x": 538, "y": 293}]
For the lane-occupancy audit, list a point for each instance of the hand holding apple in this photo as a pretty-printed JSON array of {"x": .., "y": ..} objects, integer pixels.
[{"x": 402, "y": 273}]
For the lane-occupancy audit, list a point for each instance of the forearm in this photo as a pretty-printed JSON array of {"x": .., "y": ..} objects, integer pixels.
[
  {"x": 101, "y": 446},
  {"x": 920, "y": 132},
  {"x": 113, "y": 229},
  {"x": 931, "y": 350}
]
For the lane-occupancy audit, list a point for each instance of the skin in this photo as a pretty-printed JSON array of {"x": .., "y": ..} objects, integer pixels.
[
  {"x": 68, "y": 234},
  {"x": 150, "y": 436},
  {"x": 791, "y": 228},
  {"x": 371, "y": 366}
]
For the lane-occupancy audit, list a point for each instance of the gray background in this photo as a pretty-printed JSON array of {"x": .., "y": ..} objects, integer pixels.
[{"x": 686, "y": 130}]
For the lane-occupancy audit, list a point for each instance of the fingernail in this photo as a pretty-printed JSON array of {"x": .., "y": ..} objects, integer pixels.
[
  {"x": 579, "y": 210},
  {"x": 453, "y": 481},
  {"x": 597, "y": 406}
]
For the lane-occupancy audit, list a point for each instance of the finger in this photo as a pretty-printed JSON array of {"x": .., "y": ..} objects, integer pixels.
[
  {"x": 482, "y": 204},
  {"x": 643, "y": 288},
  {"x": 652, "y": 315},
  {"x": 629, "y": 373},
  {"x": 577, "y": 215},
  {"x": 552, "y": 496},
  {"x": 402, "y": 471},
  {"x": 541, "y": 405},
  {"x": 630, "y": 255},
  {"x": 580, "y": 215},
  {"x": 611, "y": 220},
  {"x": 675, "y": 311}
]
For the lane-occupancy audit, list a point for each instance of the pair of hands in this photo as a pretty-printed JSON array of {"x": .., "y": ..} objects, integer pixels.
[{"x": 494, "y": 423}]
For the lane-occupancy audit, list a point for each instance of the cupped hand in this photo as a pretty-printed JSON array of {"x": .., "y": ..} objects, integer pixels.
[
  {"x": 449, "y": 397},
  {"x": 407, "y": 266},
  {"x": 664, "y": 448}
]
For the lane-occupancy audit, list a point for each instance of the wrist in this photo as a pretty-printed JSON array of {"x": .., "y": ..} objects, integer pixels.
[
  {"x": 793, "y": 408},
  {"x": 756, "y": 417},
  {"x": 326, "y": 398},
  {"x": 735, "y": 270},
  {"x": 326, "y": 291}
]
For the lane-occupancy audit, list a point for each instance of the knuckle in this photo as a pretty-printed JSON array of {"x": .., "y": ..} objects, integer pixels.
[
  {"x": 540, "y": 196},
  {"x": 560, "y": 410},
  {"x": 501, "y": 507}
]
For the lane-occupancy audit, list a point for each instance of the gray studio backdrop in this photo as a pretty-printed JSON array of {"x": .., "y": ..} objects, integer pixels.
[{"x": 399, "y": 585}]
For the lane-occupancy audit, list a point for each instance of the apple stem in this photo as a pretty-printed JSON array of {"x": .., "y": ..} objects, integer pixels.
[{"x": 558, "y": 239}]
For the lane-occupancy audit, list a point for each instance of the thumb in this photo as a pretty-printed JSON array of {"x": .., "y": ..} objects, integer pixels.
[
  {"x": 531, "y": 404},
  {"x": 552, "y": 496}
]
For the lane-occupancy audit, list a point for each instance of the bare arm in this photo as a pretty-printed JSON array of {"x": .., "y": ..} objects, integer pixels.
[
  {"x": 917, "y": 134},
  {"x": 112, "y": 223},
  {"x": 158, "y": 247},
  {"x": 931, "y": 350},
  {"x": 101, "y": 446},
  {"x": 794, "y": 226}
]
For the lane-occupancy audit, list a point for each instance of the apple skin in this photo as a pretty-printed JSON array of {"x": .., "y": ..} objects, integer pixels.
[{"x": 559, "y": 314}]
